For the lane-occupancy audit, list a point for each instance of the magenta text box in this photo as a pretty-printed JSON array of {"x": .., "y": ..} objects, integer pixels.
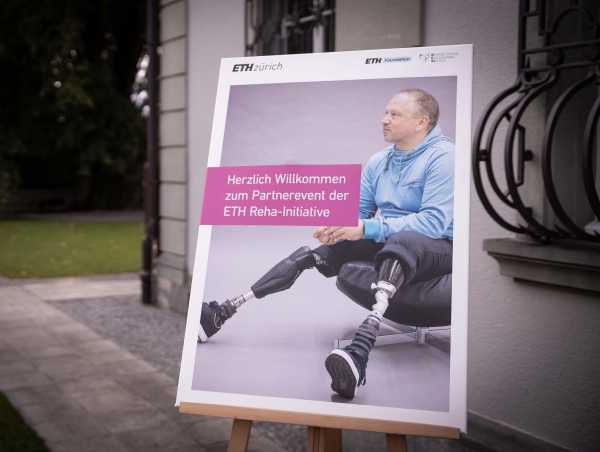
[{"x": 290, "y": 195}]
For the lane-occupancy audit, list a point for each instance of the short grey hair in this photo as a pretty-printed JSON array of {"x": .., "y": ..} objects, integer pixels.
[{"x": 426, "y": 103}]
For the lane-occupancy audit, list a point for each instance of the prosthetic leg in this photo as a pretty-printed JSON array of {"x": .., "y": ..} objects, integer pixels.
[
  {"x": 347, "y": 367},
  {"x": 279, "y": 278}
]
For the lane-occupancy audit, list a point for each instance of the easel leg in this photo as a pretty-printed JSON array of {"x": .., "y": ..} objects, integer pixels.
[
  {"x": 396, "y": 443},
  {"x": 324, "y": 439},
  {"x": 314, "y": 435},
  {"x": 331, "y": 439},
  {"x": 240, "y": 435}
]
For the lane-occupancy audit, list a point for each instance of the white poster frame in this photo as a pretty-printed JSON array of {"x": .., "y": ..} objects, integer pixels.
[{"x": 455, "y": 60}]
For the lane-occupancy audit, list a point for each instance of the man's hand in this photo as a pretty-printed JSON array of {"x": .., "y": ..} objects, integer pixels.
[{"x": 328, "y": 235}]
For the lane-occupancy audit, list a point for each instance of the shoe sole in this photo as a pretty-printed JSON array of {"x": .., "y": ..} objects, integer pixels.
[
  {"x": 202, "y": 337},
  {"x": 343, "y": 372},
  {"x": 202, "y": 334}
]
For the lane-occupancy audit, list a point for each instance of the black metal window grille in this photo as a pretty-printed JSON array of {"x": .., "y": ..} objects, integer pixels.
[
  {"x": 558, "y": 73},
  {"x": 274, "y": 27}
]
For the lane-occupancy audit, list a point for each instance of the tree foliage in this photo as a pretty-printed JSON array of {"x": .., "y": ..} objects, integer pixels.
[{"x": 66, "y": 120}]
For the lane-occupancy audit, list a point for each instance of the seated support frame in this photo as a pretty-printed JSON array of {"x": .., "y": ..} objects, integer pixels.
[{"x": 397, "y": 335}]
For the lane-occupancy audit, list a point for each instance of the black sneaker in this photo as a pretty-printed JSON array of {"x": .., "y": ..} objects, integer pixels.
[
  {"x": 213, "y": 317},
  {"x": 347, "y": 371}
]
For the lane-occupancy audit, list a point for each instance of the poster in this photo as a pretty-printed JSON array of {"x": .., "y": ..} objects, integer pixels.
[{"x": 335, "y": 219}]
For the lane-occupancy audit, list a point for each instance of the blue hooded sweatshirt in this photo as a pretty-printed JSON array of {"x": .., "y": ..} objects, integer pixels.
[{"x": 410, "y": 190}]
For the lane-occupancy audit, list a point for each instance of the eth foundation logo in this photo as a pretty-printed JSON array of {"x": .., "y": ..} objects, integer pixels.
[{"x": 379, "y": 60}]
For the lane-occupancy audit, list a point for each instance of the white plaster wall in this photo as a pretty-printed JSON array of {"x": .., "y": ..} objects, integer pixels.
[
  {"x": 215, "y": 30},
  {"x": 377, "y": 24},
  {"x": 534, "y": 351}
]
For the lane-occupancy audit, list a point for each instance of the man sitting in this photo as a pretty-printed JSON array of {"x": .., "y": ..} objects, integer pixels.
[{"x": 405, "y": 227}]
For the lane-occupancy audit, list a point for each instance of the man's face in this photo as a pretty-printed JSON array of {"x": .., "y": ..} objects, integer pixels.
[{"x": 401, "y": 122}]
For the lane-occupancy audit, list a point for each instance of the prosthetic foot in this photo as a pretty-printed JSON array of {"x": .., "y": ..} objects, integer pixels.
[
  {"x": 213, "y": 317},
  {"x": 348, "y": 366},
  {"x": 279, "y": 278}
]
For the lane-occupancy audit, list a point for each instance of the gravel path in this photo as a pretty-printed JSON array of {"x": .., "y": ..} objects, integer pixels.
[{"x": 156, "y": 335}]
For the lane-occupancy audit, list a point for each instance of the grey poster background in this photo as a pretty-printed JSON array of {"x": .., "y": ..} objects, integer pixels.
[
  {"x": 276, "y": 346},
  {"x": 319, "y": 122}
]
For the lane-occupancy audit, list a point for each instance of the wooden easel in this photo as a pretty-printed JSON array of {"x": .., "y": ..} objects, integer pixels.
[
  {"x": 320, "y": 439},
  {"x": 324, "y": 431}
]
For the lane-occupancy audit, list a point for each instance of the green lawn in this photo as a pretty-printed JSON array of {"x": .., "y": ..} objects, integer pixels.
[
  {"x": 43, "y": 248},
  {"x": 15, "y": 434}
]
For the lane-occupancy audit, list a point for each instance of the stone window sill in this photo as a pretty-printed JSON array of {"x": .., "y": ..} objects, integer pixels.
[{"x": 568, "y": 263}]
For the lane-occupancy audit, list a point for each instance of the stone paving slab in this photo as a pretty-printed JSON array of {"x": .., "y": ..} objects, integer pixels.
[
  {"x": 67, "y": 288},
  {"x": 80, "y": 391}
]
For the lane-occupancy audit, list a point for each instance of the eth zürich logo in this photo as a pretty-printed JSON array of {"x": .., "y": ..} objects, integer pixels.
[{"x": 255, "y": 67}]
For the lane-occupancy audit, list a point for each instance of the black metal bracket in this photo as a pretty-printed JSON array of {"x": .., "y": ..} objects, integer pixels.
[{"x": 535, "y": 77}]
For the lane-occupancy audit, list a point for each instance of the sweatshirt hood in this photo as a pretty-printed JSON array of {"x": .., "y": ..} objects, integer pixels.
[{"x": 433, "y": 137}]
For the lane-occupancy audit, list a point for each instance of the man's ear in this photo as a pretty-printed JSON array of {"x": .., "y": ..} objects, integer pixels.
[{"x": 423, "y": 123}]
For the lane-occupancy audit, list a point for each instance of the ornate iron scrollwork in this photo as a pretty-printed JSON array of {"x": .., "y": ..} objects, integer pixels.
[{"x": 536, "y": 77}]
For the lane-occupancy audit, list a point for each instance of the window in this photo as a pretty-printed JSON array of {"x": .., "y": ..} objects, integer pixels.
[{"x": 274, "y": 27}]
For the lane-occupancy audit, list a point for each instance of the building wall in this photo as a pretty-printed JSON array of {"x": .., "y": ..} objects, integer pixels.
[
  {"x": 216, "y": 30},
  {"x": 380, "y": 24},
  {"x": 533, "y": 349},
  {"x": 172, "y": 273}
]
